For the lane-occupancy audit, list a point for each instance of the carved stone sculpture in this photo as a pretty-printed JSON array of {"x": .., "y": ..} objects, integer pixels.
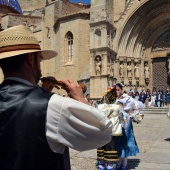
[
  {"x": 136, "y": 71},
  {"x": 98, "y": 65},
  {"x": 146, "y": 71},
  {"x": 129, "y": 70},
  {"x": 121, "y": 70}
]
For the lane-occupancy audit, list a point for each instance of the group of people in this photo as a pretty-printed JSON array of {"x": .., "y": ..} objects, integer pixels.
[
  {"x": 154, "y": 98},
  {"x": 121, "y": 109}
]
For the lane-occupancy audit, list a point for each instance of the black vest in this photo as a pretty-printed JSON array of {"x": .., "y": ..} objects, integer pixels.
[{"x": 23, "y": 144}]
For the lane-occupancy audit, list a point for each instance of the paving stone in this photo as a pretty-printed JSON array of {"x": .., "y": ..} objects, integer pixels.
[{"x": 153, "y": 138}]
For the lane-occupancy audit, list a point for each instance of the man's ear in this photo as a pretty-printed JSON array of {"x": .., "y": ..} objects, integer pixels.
[{"x": 30, "y": 59}]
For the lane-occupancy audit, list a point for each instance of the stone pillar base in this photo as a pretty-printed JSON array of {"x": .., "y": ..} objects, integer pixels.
[
  {"x": 126, "y": 82},
  {"x": 142, "y": 82},
  {"x": 133, "y": 82}
]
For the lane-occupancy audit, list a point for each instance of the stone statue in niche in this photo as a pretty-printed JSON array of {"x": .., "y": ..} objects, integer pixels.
[
  {"x": 129, "y": 70},
  {"x": 146, "y": 71},
  {"x": 136, "y": 71},
  {"x": 121, "y": 70},
  {"x": 98, "y": 65}
]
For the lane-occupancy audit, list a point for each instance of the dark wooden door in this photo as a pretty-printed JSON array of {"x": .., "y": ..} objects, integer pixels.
[{"x": 160, "y": 76}]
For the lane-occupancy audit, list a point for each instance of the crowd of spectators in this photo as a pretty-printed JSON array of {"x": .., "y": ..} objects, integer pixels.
[{"x": 155, "y": 98}]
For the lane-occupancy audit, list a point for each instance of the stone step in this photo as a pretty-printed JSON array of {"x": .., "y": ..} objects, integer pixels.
[
  {"x": 154, "y": 113},
  {"x": 155, "y": 110}
]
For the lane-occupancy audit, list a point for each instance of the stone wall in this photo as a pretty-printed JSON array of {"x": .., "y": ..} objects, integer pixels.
[
  {"x": 30, "y": 5},
  {"x": 10, "y": 20},
  {"x": 36, "y": 7},
  {"x": 69, "y": 8},
  {"x": 81, "y": 56}
]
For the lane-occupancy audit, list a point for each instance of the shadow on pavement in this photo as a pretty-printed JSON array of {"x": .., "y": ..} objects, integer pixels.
[
  {"x": 133, "y": 163},
  {"x": 168, "y": 139}
]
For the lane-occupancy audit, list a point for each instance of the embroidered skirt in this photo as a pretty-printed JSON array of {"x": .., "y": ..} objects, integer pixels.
[
  {"x": 108, "y": 152},
  {"x": 126, "y": 145}
]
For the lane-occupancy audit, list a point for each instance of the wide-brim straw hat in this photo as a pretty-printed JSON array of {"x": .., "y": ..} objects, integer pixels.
[{"x": 19, "y": 40}]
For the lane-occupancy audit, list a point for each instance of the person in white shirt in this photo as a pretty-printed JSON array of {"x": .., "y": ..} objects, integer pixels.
[{"x": 36, "y": 125}]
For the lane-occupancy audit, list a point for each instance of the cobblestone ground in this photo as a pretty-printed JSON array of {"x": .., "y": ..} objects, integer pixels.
[{"x": 153, "y": 138}]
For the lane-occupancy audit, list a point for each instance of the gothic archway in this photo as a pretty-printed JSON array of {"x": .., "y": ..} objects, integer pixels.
[{"x": 141, "y": 32}]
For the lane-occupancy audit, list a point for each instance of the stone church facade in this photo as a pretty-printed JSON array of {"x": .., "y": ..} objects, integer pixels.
[{"x": 103, "y": 43}]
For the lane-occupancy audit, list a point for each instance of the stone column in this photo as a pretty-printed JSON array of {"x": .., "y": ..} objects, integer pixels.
[
  {"x": 108, "y": 65},
  {"x": 104, "y": 63},
  {"x": 142, "y": 77},
  {"x": 126, "y": 81},
  {"x": 104, "y": 36},
  {"x": 92, "y": 39},
  {"x": 133, "y": 72},
  {"x": 121, "y": 65},
  {"x": 92, "y": 64},
  {"x": 116, "y": 70},
  {"x": 151, "y": 74},
  {"x": 149, "y": 79},
  {"x": 137, "y": 62}
]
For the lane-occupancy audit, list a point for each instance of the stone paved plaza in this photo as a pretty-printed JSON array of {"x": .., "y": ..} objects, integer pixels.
[{"x": 153, "y": 138}]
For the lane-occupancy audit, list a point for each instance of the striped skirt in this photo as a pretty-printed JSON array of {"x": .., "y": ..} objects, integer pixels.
[{"x": 108, "y": 152}]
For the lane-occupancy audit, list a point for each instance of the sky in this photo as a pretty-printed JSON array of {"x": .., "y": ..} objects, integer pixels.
[{"x": 84, "y": 1}]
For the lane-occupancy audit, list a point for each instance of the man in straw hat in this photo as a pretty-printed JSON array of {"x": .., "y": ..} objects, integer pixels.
[{"x": 37, "y": 125}]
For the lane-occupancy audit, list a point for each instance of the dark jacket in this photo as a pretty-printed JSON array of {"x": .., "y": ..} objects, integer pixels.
[
  {"x": 167, "y": 96},
  {"x": 142, "y": 98},
  {"x": 23, "y": 144},
  {"x": 157, "y": 97}
]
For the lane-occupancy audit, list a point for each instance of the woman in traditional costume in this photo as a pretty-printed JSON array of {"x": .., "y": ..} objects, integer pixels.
[
  {"x": 107, "y": 156},
  {"x": 126, "y": 144}
]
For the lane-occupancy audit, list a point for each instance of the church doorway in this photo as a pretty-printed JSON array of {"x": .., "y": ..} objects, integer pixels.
[{"x": 160, "y": 76}]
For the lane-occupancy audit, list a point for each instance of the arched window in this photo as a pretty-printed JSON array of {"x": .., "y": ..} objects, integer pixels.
[{"x": 69, "y": 47}]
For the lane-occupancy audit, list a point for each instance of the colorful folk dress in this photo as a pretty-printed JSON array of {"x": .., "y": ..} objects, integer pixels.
[
  {"x": 108, "y": 153},
  {"x": 126, "y": 144}
]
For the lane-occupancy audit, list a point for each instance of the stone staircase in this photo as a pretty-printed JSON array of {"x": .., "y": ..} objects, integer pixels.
[{"x": 155, "y": 110}]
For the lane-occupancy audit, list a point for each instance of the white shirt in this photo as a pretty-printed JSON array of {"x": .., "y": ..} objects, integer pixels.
[
  {"x": 159, "y": 97},
  {"x": 74, "y": 124}
]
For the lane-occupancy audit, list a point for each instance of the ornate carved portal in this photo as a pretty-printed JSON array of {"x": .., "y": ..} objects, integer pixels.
[{"x": 160, "y": 73}]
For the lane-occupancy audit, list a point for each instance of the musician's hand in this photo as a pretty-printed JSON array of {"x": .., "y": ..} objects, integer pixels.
[
  {"x": 73, "y": 90},
  {"x": 48, "y": 85}
]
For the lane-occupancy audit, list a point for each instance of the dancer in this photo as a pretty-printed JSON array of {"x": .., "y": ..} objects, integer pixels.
[
  {"x": 126, "y": 144},
  {"x": 107, "y": 156}
]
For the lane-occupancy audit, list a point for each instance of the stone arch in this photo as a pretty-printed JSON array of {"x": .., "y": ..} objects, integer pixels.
[{"x": 141, "y": 30}]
